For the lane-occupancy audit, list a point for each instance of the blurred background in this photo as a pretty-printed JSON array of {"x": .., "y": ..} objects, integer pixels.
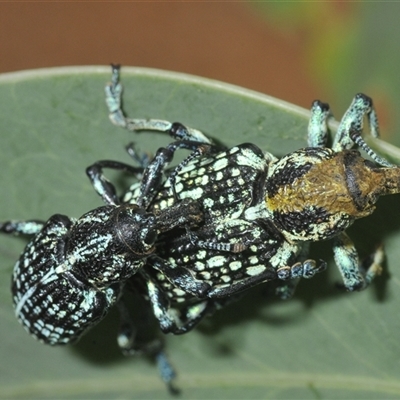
[{"x": 296, "y": 51}]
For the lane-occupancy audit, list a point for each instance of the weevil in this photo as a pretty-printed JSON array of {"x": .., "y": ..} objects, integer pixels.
[
  {"x": 73, "y": 271},
  {"x": 272, "y": 208}
]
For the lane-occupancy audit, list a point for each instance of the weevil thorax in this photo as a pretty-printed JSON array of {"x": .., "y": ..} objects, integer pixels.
[{"x": 316, "y": 193}]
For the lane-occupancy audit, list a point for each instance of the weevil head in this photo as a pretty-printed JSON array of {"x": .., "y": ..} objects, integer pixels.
[
  {"x": 136, "y": 229},
  {"x": 316, "y": 193}
]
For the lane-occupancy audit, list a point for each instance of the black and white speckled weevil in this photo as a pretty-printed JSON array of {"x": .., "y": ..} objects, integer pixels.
[
  {"x": 73, "y": 270},
  {"x": 272, "y": 208}
]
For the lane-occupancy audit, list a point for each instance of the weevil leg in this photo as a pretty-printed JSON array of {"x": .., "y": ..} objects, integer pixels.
[
  {"x": 306, "y": 269},
  {"x": 127, "y": 331},
  {"x": 318, "y": 125},
  {"x": 31, "y": 227},
  {"x": 360, "y": 107},
  {"x": 356, "y": 137},
  {"x": 104, "y": 188},
  {"x": 190, "y": 315},
  {"x": 143, "y": 158},
  {"x": 113, "y": 92},
  {"x": 180, "y": 277},
  {"x": 129, "y": 346},
  {"x": 287, "y": 264},
  {"x": 347, "y": 260},
  {"x": 269, "y": 274},
  {"x": 227, "y": 247},
  {"x": 285, "y": 289},
  {"x": 241, "y": 240},
  {"x": 166, "y": 371},
  {"x": 167, "y": 319},
  {"x": 301, "y": 269},
  {"x": 153, "y": 173},
  {"x": 374, "y": 265},
  {"x": 173, "y": 320},
  {"x": 150, "y": 176},
  {"x": 197, "y": 151},
  {"x": 351, "y": 127}
]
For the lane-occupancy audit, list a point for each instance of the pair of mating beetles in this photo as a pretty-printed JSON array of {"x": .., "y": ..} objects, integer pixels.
[{"x": 222, "y": 221}]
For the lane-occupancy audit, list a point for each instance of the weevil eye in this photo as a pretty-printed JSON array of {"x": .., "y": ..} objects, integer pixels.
[{"x": 149, "y": 236}]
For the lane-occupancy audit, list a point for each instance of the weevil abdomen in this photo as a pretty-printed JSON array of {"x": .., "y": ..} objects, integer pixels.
[{"x": 50, "y": 301}]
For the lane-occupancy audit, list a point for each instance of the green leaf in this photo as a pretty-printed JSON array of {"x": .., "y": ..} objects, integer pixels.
[{"x": 323, "y": 343}]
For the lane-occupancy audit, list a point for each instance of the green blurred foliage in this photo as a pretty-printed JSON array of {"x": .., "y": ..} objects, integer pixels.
[{"x": 349, "y": 47}]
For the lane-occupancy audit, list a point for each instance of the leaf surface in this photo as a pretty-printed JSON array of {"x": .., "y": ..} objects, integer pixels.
[{"x": 321, "y": 344}]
